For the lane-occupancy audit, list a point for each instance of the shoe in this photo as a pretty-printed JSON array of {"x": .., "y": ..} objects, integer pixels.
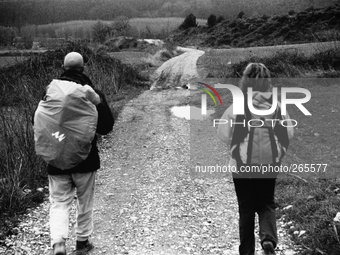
[
  {"x": 83, "y": 247},
  {"x": 268, "y": 248},
  {"x": 59, "y": 248}
]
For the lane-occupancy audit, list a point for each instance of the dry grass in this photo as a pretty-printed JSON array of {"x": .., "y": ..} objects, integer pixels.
[
  {"x": 8, "y": 61},
  {"x": 218, "y": 63},
  {"x": 83, "y": 28}
]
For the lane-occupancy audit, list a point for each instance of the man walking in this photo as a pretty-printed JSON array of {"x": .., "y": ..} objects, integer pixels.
[{"x": 63, "y": 184}]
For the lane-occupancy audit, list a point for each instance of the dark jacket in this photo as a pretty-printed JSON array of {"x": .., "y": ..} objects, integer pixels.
[{"x": 104, "y": 126}]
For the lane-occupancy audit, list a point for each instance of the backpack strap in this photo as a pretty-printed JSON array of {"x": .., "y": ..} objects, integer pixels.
[
  {"x": 250, "y": 145},
  {"x": 275, "y": 153},
  {"x": 239, "y": 134},
  {"x": 281, "y": 132},
  {"x": 271, "y": 131}
]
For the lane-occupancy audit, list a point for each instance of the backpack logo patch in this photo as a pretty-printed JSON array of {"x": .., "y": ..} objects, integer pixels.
[{"x": 59, "y": 137}]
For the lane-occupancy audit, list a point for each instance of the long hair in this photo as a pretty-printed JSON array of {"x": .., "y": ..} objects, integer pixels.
[{"x": 256, "y": 76}]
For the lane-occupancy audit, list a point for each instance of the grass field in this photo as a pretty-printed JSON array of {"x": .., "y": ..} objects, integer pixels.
[
  {"x": 217, "y": 62},
  {"x": 7, "y": 61},
  {"x": 83, "y": 28}
]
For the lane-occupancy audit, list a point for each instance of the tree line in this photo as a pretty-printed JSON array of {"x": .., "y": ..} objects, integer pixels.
[{"x": 23, "y": 12}]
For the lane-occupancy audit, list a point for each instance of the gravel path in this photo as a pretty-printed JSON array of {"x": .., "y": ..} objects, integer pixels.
[{"x": 177, "y": 71}]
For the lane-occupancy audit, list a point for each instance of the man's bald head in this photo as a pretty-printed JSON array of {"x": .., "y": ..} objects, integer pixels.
[{"x": 73, "y": 61}]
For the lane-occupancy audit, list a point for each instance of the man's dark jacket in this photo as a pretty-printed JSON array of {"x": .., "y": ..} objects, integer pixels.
[{"x": 104, "y": 126}]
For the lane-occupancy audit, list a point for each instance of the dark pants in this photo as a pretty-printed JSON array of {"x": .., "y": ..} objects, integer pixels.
[{"x": 255, "y": 195}]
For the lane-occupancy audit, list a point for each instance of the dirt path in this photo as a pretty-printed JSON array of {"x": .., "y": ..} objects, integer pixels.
[
  {"x": 149, "y": 200},
  {"x": 177, "y": 71}
]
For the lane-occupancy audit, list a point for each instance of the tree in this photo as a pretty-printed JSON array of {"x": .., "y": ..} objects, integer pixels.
[
  {"x": 241, "y": 15},
  {"x": 190, "y": 21},
  {"x": 121, "y": 25},
  {"x": 212, "y": 20},
  {"x": 101, "y": 31},
  {"x": 220, "y": 19}
]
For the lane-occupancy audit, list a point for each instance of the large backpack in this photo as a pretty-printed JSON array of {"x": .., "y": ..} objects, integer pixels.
[
  {"x": 64, "y": 125},
  {"x": 264, "y": 144}
]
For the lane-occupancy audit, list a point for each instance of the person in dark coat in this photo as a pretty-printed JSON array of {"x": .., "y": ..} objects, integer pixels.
[{"x": 63, "y": 184}]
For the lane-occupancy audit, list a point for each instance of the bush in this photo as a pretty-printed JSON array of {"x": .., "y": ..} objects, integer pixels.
[
  {"x": 291, "y": 12},
  {"x": 121, "y": 26},
  {"x": 241, "y": 15},
  {"x": 284, "y": 30},
  {"x": 190, "y": 21},
  {"x": 6, "y": 36},
  {"x": 220, "y": 19},
  {"x": 101, "y": 32},
  {"x": 212, "y": 20},
  {"x": 291, "y": 35},
  {"x": 235, "y": 42},
  {"x": 282, "y": 19},
  {"x": 265, "y": 17}
]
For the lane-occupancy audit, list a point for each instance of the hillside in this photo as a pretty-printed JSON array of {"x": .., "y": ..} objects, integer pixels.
[
  {"x": 19, "y": 13},
  {"x": 310, "y": 25}
]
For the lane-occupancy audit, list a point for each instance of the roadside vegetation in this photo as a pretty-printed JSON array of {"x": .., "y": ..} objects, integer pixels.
[
  {"x": 310, "y": 25},
  {"x": 22, "y": 174},
  {"x": 95, "y": 31},
  {"x": 307, "y": 60}
]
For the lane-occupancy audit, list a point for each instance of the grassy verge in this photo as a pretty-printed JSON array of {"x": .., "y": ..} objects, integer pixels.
[
  {"x": 23, "y": 178},
  {"x": 303, "y": 60},
  {"x": 314, "y": 197}
]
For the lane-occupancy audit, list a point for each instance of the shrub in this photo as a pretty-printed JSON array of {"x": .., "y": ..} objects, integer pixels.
[
  {"x": 190, "y": 21},
  {"x": 6, "y": 36},
  {"x": 282, "y": 19},
  {"x": 241, "y": 15},
  {"x": 265, "y": 17},
  {"x": 284, "y": 30},
  {"x": 121, "y": 26},
  {"x": 235, "y": 42},
  {"x": 220, "y": 19},
  {"x": 235, "y": 30},
  {"x": 291, "y": 35},
  {"x": 233, "y": 24},
  {"x": 101, "y": 32},
  {"x": 291, "y": 12},
  {"x": 212, "y": 20}
]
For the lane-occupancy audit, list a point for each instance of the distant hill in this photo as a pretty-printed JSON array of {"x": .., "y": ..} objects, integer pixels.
[
  {"x": 19, "y": 13},
  {"x": 312, "y": 24}
]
